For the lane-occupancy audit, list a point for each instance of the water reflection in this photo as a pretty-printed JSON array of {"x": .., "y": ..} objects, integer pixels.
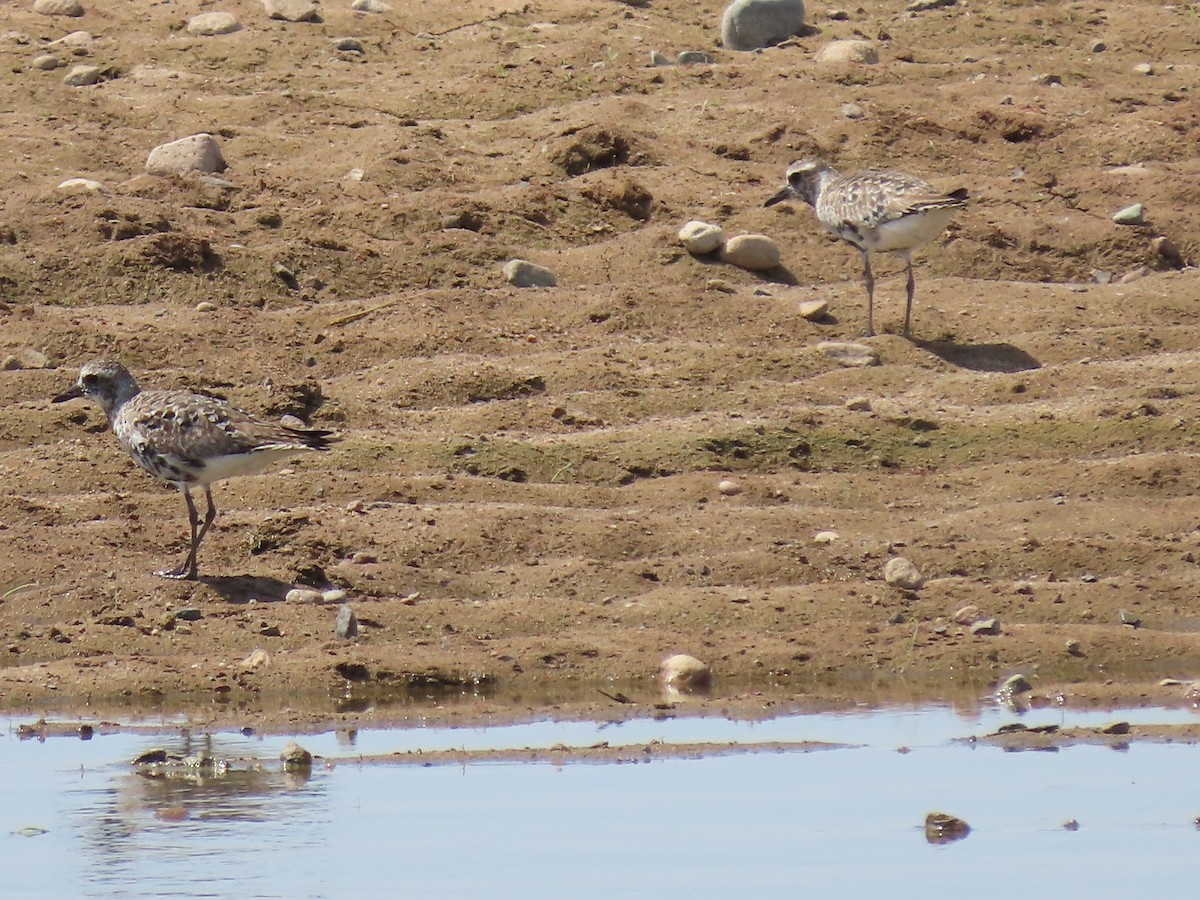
[{"x": 219, "y": 817}]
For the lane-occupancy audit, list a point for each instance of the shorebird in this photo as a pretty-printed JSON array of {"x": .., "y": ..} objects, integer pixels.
[
  {"x": 187, "y": 439},
  {"x": 877, "y": 212}
]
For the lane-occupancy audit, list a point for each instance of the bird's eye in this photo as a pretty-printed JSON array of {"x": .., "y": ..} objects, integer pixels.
[{"x": 90, "y": 380}]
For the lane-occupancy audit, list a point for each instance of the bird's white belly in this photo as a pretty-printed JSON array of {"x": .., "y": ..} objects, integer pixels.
[
  {"x": 233, "y": 465},
  {"x": 909, "y": 232}
]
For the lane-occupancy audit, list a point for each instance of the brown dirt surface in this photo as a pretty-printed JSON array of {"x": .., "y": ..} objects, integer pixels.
[{"x": 524, "y": 500}]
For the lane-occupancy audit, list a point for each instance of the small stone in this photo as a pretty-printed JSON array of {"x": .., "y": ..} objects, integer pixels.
[
  {"x": 896, "y": 618},
  {"x": 1133, "y": 275},
  {"x": 943, "y": 828},
  {"x": 814, "y": 310},
  {"x": 825, "y": 537},
  {"x": 196, "y": 153},
  {"x": 1098, "y": 47},
  {"x": 46, "y": 62},
  {"x": 1165, "y": 249},
  {"x": 524, "y": 274},
  {"x": 346, "y": 624},
  {"x": 700, "y": 237},
  {"x": 75, "y": 39},
  {"x": 1047, "y": 79},
  {"x": 849, "y": 51},
  {"x": 371, "y": 6},
  {"x": 257, "y": 659},
  {"x": 852, "y": 111},
  {"x": 858, "y": 404},
  {"x": 290, "y": 421},
  {"x": 204, "y": 306},
  {"x": 336, "y": 595},
  {"x": 900, "y": 572},
  {"x": 685, "y": 674},
  {"x": 1130, "y": 619},
  {"x": 729, "y": 488},
  {"x": 82, "y": 76},
  {"x": 847, "y": 354},
  {"x": 212, "y": 23},
  {"x": 295, "y": 757},
  {"x": 189, "y": 614},
  {"x": 72, "y": 8},
  {"x": 303, "y": 595},
  {"x": 754, "y": 252},
  {"x": 1144, "y": 69},
  {"x": 986, "y": 627},
  {"x": 755, "y": 24},
  {"x": 720, "y": 286},
  {"x": 925, "y": 5},
  {"x": 1130, "y": 215},
  {"x": 80, "y": 186},
  {"x": 292, "y": 10},
  {"x": 363, "y": 557},
  {"x": 349, "y": 45},
  {"x": 1015, "y": 684},
  {"x": 660, "y": 59},
  {"x": 694, "y": 58},
  {"x": 1115, "y": 728},
  {"x": 967, "y": 615}
]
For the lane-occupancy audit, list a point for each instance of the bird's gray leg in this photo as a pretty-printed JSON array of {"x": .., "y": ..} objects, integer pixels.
[
  {"x": 187, "y": 569},
  {"x": 911, "y": 285},
  {"x": 208, "y": 516},
  {"x": 869, "y": 280}
]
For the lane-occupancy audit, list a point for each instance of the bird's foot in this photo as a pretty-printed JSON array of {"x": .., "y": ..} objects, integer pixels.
[{"x": 183, "y": 572}]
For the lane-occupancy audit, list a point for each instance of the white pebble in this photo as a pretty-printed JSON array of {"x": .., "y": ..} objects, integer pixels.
[
  {"x": 212, "y": 23},
  {"x": 196, "y": 153},
  {"x": 848, "y": 52},
  {"x": 729, "y": 488},
  {"x": 814, "y": 310},
  {"x": 522, "y": 273},
  {"x": 303, "y": 595},
  {"x": 80, "y": 186},
  {"x": 825, "y": 537},
  {"x": 701, "y": 237},
  {"x": 46, "y": 62},
  {"x": 685, "y": 674}
]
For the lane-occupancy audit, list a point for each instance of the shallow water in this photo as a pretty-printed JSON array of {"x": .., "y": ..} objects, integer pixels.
[{"x": 834, "y": 823}]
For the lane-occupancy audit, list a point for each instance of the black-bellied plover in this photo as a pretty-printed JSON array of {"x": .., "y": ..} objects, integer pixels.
[
  {"x": 877, "y": 212},
  {"x": 187, "y": 439}
]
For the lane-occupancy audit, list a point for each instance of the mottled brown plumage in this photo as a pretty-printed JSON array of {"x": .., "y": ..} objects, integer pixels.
[
  {"x": 188, "y": 439},
  {"x": 877, "y": 212}
]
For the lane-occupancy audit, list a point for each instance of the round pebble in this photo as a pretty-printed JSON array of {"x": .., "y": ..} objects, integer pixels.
[
  {"x": 754, "y": 252},
  {"x": 82, "y": 76},
  {"x": 902, "y": 573},
  {"x": 685, "y": 674},
  {"x": 729, "y": 488},
  {"x": 303, "y": 595},
  {"x": 850, "y": 51},
  {"x": 46, "y": 62},
  {"x": 524, "y": 274},
  {"x": 701, "y": 237},
  {"x": 825, "y": 537},
  {"x": 212, "y": 23},
  {"x": 850, "y": 355},
  {"x": 814, "y": 310}
]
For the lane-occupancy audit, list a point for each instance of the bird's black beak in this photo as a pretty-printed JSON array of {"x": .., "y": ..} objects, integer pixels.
[
  {"x": 73, "y": 393},
  {"x": 786, "y": 194}
]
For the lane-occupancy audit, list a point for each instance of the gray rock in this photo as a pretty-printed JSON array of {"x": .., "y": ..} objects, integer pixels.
[
  {"x": 1015, "y": 684},
  {"x": 755, "y": 252},
  {"x": 660, "y": 59},
  {"x": 522, "y": 273},
  {"x": 74, "y": 39},
  {"x": 71, "y": 8},
  {"x": 701, "y": 237},
  {"x": 1130, "y": 215},
  {"x": 852, "y": 111},
  {"x": 847, "y": 354},
  {"x": 189, "y": 614},
  {"x": 986, "y": 626},
  {"x": 966, "y": 615},
  {"x": 82, "y": 76},
  {"x": 346, "y": 624},
  {"x": 197, "y": 153},
  {"x": 212, "y": 23},
  {"x": 694, "y": 58},
  {"x": 754, "y": 24},
  {"x": 850, "y": 51},
  {"x": 349, "y": 45},
  {"x": 902, "y": 573},
  {"x": 46, "y": 62},
  {"x": 296, "y": 757},
  {"x": 292, "y": 10},
  {"x": 371, "y": 6}
]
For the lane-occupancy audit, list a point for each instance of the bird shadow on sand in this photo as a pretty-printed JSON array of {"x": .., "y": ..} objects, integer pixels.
[
  {"x": 1000, "y": 357},
  {"x": 244, "y": 588}
]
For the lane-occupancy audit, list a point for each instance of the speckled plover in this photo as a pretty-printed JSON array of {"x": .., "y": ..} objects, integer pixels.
[
  {"x": 877, "y": 212},
  {"x": 187, "y": 439}
]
